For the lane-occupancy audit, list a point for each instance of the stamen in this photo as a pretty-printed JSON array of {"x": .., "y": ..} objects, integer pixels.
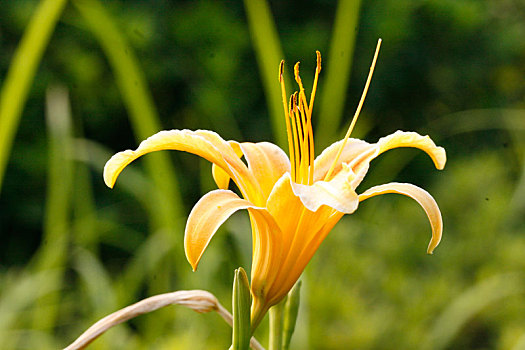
[
  {"x": 306, "y": 113},
  {"x": 296, "y": 157},
  {"x": 314, "y": 88},
  {"x": 286, "y": 117},
  {"x": 300, "y": 132},
  {"x": 356, "y": 115},
  {"x": 300, "y": 138},
  {"x": 308, "y": 140},
  {"x": 307, "y": 126}
]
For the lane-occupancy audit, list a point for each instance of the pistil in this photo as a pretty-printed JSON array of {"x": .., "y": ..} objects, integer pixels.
[{"x": 356, "y": 115}]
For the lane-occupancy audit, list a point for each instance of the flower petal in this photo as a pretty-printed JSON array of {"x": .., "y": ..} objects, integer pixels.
[
  {"x": 338, "y": 193},
  {"x": 205, "y": 218},
  {"x": 298, "y": 226},
  {"x": 358, "y": 154},
  {"x": 422, "y": 197},
  {"x": 180, "y": 140},
  {"x": 413, "y": 139},
  {"x": 309, "y": 246},
  {"x": 267, "y": 162},
  {"x": 237, "y": 170},
  {"x": 206, "y": 144},
  {"x": 266, "y": 260},
  {"x": 353, "y": 149},
  {"x": 210, "y": 212},
  {"x": 221, "y": 177}
]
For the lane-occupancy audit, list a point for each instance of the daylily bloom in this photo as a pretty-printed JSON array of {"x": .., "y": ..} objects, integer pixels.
[{"x": 294, "y": 202}]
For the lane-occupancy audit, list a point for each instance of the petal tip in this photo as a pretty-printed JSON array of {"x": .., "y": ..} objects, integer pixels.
[
  {"x": 441, "y": 158},
  {"x": 433, "y": 244},
  {"x": 108, "y": 179},
  {"x": 115, "y": 165}
]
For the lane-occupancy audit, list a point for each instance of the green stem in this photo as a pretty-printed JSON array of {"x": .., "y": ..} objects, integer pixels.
[
  {"x": 291, "y": 310},
  {"x": 276, "y": 326},
  {"x": 22, "y": 71},
  {"x": 242, "y": 331}
]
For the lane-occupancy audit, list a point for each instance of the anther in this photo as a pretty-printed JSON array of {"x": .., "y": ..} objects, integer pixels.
[{"x": 296, "y": 73}]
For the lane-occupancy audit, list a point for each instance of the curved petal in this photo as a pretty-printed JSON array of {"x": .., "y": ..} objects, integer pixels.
[
  {"x": 238, "y": 171},
  {"x": 180, "y": 140},
  {"x": 267, "y": 162},
  {"x": 266, "y": 260},
  {"x": 210, "y": 212},
  {"x": 298, "y": 226},
  {"x": 353, "y": 149},
  {"x": 206, "y": 144},
  {"x": 422, "y": 197},
  {"x": 221, "y": 177},
  {"x": 309, "y": 247},
  {"x": 396, "y": 140},
  {"x": 338, "y": 193},
  {"x": 358, "y": 154},
  {"x": 205, "y": 218},
  {"x": 413, "y": 139}
]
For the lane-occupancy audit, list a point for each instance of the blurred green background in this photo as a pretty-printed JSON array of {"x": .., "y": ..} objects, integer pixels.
[{"x": 92, "y": 77}]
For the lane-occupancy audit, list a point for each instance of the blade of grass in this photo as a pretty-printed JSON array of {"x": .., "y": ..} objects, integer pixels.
[
  {"x": 338, "y": 68},
  {"x": 30, "y": 339},
  {"x": 167, "y": 204},
  {"x": 22, "y": 71},
  {"x": 85, "y": 217},
  {"x": 100, "y": 294},
  {"x": 52, "y": 254},
  {"x": 17, "y": 296},
  {"x": 269, "y": 54},
  {"x": 145, "y": 263},
  {"x": 471, "y": 302},
  {"x": 139, "y": 103},
  {"x": 134, "y": 183}
]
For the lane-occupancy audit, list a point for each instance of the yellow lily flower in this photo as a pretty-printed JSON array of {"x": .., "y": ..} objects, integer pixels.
[{"x": 293, "y": 203}]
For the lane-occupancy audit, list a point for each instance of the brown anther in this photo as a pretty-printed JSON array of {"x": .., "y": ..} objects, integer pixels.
[
  {"x": 294, "y": 100},
  {"x": 296, "y": 73}
]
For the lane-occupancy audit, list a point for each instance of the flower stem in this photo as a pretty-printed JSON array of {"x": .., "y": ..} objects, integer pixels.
[
  {"x": 241, "y": 311},
  {"x": 276, "y": 326},
  {"x": 291, "y": 309}
]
